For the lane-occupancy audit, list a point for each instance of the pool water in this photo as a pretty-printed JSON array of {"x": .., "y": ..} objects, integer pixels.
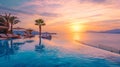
[{"x": 53, "y": 53}]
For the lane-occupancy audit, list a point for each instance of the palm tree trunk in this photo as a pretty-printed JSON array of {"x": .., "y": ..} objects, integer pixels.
[
  {"x": 11, "y": 29},
  {"x": 7, "y": 25},
  {"x": 40, "y": 34}
]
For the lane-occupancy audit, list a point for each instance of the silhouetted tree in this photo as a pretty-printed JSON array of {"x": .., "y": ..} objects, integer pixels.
[{"x": 40, "y": 22}]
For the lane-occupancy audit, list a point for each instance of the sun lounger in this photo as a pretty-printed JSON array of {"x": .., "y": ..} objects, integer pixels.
[
  {"x": 3, "y": 36},
  {"x": 28, "y": 35},
  {"x": 12, "y": 36},
  {"x": 17, "y": 36}
]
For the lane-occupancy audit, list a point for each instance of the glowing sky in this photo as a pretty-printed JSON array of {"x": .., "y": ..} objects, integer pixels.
[{"x": 65, "y": 15}]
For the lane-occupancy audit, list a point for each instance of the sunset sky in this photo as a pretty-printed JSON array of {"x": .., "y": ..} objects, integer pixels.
[{"x": 65, "y": 15}]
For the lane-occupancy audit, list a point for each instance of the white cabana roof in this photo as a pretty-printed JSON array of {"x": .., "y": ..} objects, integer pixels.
[{"x": 19, "y": 29}]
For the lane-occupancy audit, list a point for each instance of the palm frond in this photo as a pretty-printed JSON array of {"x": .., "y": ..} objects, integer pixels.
[{"x": 39, "y": 22}]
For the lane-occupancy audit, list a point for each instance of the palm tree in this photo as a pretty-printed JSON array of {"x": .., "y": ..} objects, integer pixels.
[
  {"x": 9, "y": 21},
  {"x": 39, "y": 22},
  {"x": 4, "y": 20},
  {"x": 13, "y": 20}
]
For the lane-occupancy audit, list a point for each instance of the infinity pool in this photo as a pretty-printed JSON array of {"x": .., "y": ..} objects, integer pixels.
[{"x": 53, "y": 53}]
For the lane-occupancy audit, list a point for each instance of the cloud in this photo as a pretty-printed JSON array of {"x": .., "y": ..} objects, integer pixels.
[
  {"x": 11, "y": 10},
  {"x": 98, "y": 1},
  {"x": 41, "y": 7},
  {"x": 93, "y": 1},
  {"x": 49, "y": 14},
  {"x": 12, "y": 3},
  {"x": 104, "y": 22},
  {"x": 111, "y": 20},
  {"x": 42, "y": 4},
  {"x": 90, "y": 16}
]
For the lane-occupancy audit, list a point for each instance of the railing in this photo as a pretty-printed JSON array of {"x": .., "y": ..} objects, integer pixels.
[{"x": 104, "y": 47}]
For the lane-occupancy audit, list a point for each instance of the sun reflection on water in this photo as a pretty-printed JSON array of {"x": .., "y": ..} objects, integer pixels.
[{"x": 78, "y": 36}]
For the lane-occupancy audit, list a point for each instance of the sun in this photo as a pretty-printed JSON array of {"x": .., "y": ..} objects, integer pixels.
[{"x": 76, "y": 28}]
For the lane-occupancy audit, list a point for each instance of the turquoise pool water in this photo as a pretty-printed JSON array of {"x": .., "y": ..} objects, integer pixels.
[{"x": 53, "y": 53}]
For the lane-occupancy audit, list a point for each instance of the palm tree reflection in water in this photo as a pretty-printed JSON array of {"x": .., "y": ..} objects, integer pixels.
[
  {"x": 7, "y": 48},
  {"x": 40, "y": 47}
]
